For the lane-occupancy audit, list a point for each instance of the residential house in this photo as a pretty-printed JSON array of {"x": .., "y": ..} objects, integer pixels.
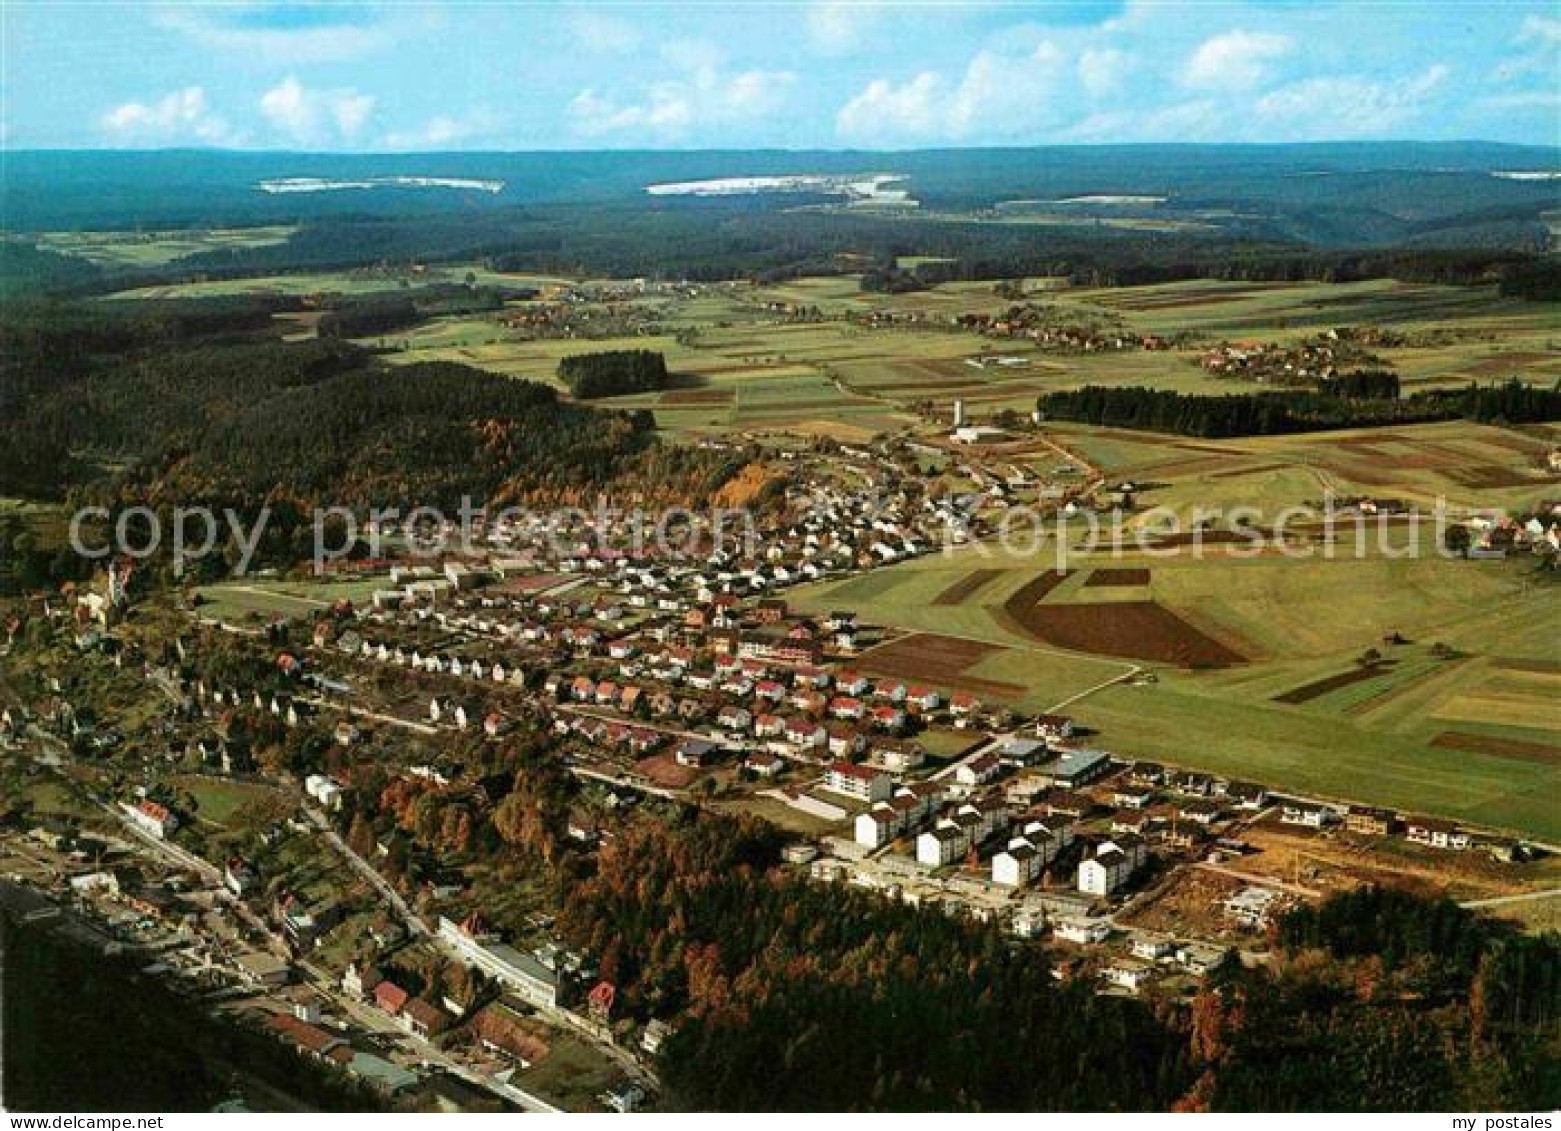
[
  {"x": 1079, "y": 929},
  {"x": 764, "y": 763},
  {"x": 1130, "y": 976},
  {"x": 150, "y": 817},
  {"x": 978, "y": 771},
  {"x": 1053, "y": 728},
  {"x": 1112, "y": 865},
  {"x": 1018, "y": 864},
  {"x": 391, "y": 998},
  {"x": 1369, "y": 821},
  {"x": 694, "y": 752},
  {"x": 867, "y": 783},
  {"x": 942, "y": 845},
  {"x": 1152, "y": 948},
  {"x": 1246, "y": 795},
  {"x": 1132, "y": 796},
  {"x": 898, "y": 756},
  {"x": 1200, "y": 811},
  {"x": 424, "y": 1019},
  {"x": 1435, "y": 833},
  {"x": 1306, "y": 814}
]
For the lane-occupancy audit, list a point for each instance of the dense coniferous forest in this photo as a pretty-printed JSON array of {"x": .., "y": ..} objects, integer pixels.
[
  {"x": 314, "y": 421},
  {"x": 799, "y": 995},
  {"x": 366, "y": 317},
  {"x": 1386, "y": 1001},
  {"x": 788, "y": 994},
  {"x": 1276, "y": 413},
  {"x": 751, "y": 239},
  {"x": 197, "y": 403},
  {"x": 1370, "y": 384},
  {"x": 613, "y": 373},
  {"x": 792, "y": 994}
]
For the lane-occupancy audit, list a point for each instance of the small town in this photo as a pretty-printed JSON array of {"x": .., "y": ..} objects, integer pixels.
[{"x": 282, "y": 833}]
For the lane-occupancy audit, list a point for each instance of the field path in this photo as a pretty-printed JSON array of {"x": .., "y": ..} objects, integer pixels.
[
  {"x": 279, "y": 595},
  {"x": 1505, "y": 900},
  {"x": 1133, "y": 671}
]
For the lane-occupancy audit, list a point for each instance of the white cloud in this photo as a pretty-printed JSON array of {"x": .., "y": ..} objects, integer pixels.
[
  {"x": 1006, "y": 95},
  {"x": 706, "y": 96},
  {"x": 182, "y": 116},
  {"x": 885, "y": 111},
  {"x": 836, "y": 27},
  {"x": 315, "y": 117},
  {"x": 1330, "y": 107},
  {"x": 1539, "y": 30},
  {"x": 1235, "y": 60},
  {"x": 1102, "y": 69},
  {"x": 691, "y": 55},
  {"x": 1540, "y": 39},
  {"x": 221, "y": 29},
  {"x": 664, "y": 110},
  {"x": 999, "y": 96}
]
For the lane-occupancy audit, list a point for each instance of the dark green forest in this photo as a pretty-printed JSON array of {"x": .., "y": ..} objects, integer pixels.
[
  {"x": 613, "y": 373},
  {"x": 799, "y": 995},
  {"x": 1347, "y": 402},
  {"x": 188, "y": 403}
]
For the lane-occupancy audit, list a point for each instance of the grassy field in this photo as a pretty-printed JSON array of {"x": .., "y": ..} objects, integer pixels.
[
  {"x": 217, "y": 801},
  {"x": 365, "y": 281},
  {"x": 1465, "y": 464},
  {"x": 155, "y": 249},
  {"x": 259, "y": 601},
  {"x": 1200, "y": 723},
  {"x": 1299, "y": 622}
]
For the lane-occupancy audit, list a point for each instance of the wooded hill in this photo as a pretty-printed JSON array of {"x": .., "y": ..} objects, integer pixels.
[{"x": 191, "y": 404}]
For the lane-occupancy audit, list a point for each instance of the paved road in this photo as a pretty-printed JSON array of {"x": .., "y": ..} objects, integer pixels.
[
  {"x": 369, "y": 874},
  {"x": 365, "y": 713}
]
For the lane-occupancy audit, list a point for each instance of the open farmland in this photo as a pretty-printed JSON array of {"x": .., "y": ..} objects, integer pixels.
[
  {"x": 1203, "y": 724},
  {"x": 741, "y": 367},
  {"x": 1462, "y": 463},
  {"x": 155, "y": 249},
  {"x": 940, "y": 661},
  {"x": 1257, "y": 655},
  {"x": 1286, "y": 311},
  {"x": 1139, "y": 630}
]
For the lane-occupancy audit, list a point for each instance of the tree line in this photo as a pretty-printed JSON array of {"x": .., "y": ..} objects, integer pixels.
[{"x": 1347, "y": 404}]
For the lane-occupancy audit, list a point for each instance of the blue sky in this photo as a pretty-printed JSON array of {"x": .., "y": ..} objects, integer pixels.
[{"x": 488, "y": 74}]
